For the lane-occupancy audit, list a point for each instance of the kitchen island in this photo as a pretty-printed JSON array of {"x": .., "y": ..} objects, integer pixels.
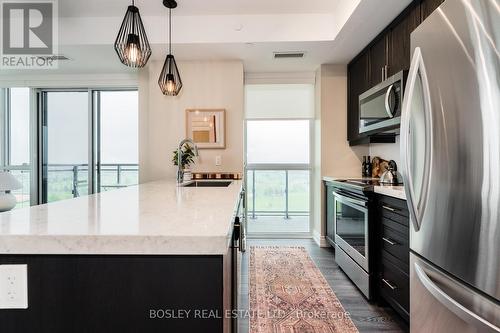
[{"x": 149, "y": 258}]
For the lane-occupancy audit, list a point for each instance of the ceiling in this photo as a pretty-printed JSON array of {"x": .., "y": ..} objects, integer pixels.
[
  {"x": 78, "y": 8},
  {"x": 328, "y": 31}
]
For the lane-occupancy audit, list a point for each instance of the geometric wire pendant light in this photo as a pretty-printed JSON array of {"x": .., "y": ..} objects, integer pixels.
[
  {"x": 131, "y": 44},
  {"x": 170, "y": 80}
]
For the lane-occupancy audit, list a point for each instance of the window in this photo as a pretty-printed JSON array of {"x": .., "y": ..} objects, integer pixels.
[
  {"x": 78, "y": 128},
  {"x": 15, "y": 139},
  {"x": 278, "y": 141},
  {"x": 119, "y": 139},
  {"x": 19, "y": 126},
  {"x": 278, "y": 168},
  {"x": 278, "y": 157}
]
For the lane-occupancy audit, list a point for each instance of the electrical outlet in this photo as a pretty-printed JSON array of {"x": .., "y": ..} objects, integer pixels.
[
  {"x": 218, "y": 160},
  {"x": 13, "y": 286}
]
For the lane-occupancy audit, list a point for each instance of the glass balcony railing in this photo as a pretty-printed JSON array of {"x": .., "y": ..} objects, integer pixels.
[
  {"x": 23, "y": 174},
  {"x": 65, "y": 181},
  {"x": 278, "y": 193},
  {"x": 71, "y": 181}
]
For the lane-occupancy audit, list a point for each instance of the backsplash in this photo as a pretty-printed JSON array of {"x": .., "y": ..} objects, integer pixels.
[{"x": 387, "y": 151}]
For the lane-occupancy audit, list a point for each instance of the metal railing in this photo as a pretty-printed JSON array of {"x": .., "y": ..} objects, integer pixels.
[
  {"x": 286, "y": 212},
  {"x": 80, "y": 172},
  {"x": 112, "y": 176}
]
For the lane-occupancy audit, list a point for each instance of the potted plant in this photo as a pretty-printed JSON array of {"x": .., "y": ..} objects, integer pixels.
[{"x": 187, "y": 159}]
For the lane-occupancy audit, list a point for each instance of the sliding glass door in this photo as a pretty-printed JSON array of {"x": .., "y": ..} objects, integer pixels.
[
  {"x": 88, "y": 141},
  {"x": 65, "y": 145},
  {"x": 118, "y": 139}
]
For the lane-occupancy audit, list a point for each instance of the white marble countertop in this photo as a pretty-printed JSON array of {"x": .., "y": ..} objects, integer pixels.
[
  {"x": 153, "y": 218},
  {"x": 390, "y": 190}
]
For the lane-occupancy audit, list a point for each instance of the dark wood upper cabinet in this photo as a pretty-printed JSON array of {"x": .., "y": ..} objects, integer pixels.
[
  {"x": 378, "y": 60},
  {"x": 428, "y": 6},
  {"x": 357, "y": 84},
  {"x": 399, "y": 40},
  {"x": 390, "y": 48}
]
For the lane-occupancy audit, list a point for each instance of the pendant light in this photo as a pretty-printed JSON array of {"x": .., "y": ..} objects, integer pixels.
[
  {"x": 170, "y": 80},
  {"x": 132, "y": 45}
]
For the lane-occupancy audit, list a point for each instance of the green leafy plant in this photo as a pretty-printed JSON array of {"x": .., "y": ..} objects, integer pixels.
[{"x": 187, "y": 156}]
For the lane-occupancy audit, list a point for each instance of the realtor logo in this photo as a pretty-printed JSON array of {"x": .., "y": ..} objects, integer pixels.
[{"x": 29, "y": 34}]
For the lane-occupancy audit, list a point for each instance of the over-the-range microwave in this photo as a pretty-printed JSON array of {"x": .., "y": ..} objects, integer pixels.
[{"x": 380, "y": 107}]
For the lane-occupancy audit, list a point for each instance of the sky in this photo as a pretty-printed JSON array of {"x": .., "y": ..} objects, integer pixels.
[{"x": 68, "y": 125}]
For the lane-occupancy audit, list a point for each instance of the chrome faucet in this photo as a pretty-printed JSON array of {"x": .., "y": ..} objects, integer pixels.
[{"x": 180, "y": 172}]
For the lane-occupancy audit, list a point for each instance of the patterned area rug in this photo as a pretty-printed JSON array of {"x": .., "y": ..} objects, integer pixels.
[{"x": 288, "y": 294}]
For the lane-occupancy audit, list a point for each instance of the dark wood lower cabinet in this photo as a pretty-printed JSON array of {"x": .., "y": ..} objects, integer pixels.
[
  {"x": 393, "y": 240},
  {"x": 107, "y": 293},
  {"x": 394, "y": 287}
]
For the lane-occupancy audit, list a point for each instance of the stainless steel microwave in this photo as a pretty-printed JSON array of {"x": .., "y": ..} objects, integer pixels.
[{"x": 380, "y": 107}]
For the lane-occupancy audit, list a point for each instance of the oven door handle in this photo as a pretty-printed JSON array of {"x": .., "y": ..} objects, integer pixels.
[{"x": 343, "y": 198}]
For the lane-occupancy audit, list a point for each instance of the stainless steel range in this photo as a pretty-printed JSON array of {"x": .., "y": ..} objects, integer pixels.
[{"x": 352, "y": 218}]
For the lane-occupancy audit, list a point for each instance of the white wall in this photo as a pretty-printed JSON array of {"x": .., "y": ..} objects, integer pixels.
[
  {"x": 333, "y": 155},
  {"x": 387, "y": 151},
  {"x": 211, "y": 84}
]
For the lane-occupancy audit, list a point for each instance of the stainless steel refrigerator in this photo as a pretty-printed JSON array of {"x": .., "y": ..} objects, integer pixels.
[{"x": 450, "y": 146}]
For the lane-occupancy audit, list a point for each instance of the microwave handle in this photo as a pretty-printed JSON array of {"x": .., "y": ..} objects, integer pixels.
[{"x": 387, "y": 96}]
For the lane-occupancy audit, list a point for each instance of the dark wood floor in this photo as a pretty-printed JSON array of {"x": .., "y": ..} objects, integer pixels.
[{"x": 367, "y": 317}]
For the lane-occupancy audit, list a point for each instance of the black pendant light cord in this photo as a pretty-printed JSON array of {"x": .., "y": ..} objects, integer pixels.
[
  {"x": 170, "y": 31},
  {"x": 133, "y": 19}
]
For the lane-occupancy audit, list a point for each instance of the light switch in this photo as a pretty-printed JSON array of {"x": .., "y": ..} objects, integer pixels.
[
  {"x": 218, "y": 160},
  {"x": 13, "y": 286}
]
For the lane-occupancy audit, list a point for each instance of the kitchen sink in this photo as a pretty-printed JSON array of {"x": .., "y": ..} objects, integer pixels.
[{"x": 209, "y": 183}]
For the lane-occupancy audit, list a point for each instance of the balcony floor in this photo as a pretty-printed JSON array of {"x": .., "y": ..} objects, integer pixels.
[{"x": 277, "y": 224}]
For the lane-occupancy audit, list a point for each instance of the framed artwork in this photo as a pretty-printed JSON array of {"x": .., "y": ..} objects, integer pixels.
[{"x": 207, "y": 127}]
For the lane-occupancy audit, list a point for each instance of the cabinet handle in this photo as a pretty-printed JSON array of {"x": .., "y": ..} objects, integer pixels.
[
  {"x": 390, "y": 285},
  {"x": 386, "y": 71},
  {"x": 389, "y": 208},
  {"x": 382, "y": 74},
  {"x": 387, "y": 240}
]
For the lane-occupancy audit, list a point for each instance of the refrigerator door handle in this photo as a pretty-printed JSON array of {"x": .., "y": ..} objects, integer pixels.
[
  {"x": 452, "y": 305},
  {"x": 417, "y": 72}
]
